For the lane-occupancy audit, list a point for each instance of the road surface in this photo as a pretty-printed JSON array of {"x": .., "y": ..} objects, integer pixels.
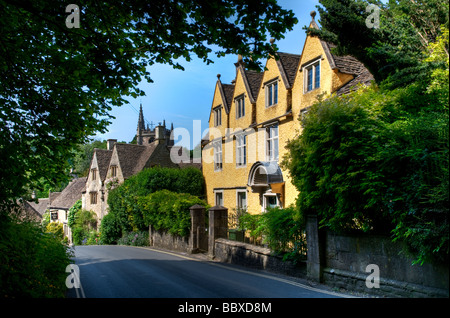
[{"x": 132, "y": 272}]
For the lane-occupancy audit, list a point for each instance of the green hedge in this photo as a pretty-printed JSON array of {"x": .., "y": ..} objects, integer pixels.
[
  {"x": 166, "y": 210},
  {"x": 122, "y": 200}
]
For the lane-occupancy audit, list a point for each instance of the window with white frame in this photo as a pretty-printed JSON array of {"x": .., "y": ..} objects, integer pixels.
[
  {"x": 217, "y": 145},
  {"x": 241, "y": 150},
  {"x": 240, "y": 107},
  {"x": 312, "y": 76},
  {"x": 241, "y": 199},
  {"x": 218, "y": 198},
  {"x": 271, "y": 90},
  {"x": 272, "y": 143},
  {"x": 270, "y": 201},
  {"x": 217, "y": 116}
]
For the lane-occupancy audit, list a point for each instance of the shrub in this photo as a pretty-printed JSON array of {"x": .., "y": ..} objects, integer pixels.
[
  {"x": 135, "y": 239},
  {"x": 32, "y": 262},
  {"x": 281, "y": 229},
  {"x": 109, "y": 229},
  {"x": 122, "y": 200},
  {"x": 55, "y": 228},
  {"x": 168, "y": 211},
  {"x": 85, "y": 223}
]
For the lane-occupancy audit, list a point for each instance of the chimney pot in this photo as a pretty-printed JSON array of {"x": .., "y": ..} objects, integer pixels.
[{"x": 110, "y": 143}]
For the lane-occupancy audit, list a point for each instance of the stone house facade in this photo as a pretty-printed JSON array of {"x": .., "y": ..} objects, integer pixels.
[
  {"x": 121, "y": 161},
  {"x": 59, "y": 207},
  {"x": 252, "y": 119}
]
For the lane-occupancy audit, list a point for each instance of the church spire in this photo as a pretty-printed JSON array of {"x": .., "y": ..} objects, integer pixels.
[{"x": 141, "y": 123}]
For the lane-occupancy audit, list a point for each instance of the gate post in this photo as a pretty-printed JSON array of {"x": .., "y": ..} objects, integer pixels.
[
  {"x": 218, "y": 226},
  {"x": 198, "y": 241},
  {"x": 314, "y": 249}
]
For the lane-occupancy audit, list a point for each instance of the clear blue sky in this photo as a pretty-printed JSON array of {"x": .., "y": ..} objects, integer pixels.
[{"x": 180, "y": 97}]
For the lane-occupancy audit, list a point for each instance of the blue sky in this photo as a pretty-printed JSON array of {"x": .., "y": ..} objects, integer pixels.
[{"x": 180, "y": 97}]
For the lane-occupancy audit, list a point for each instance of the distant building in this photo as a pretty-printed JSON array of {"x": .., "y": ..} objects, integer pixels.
[
  {"x": 121, "y": 161},
  {"x": 59, "y": 207}
]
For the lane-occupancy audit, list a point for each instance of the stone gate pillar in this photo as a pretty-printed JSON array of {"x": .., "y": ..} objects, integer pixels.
[
  {"x": 314, "y": 249},
  {"x": 198, "y": 240},
  {"x": 218, "y": 226}
]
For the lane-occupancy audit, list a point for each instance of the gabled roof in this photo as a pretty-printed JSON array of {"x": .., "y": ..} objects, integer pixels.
[
  {"x": 133, "y": 158},
  {"x": 52, "y": 197},
  {"x": 345, "y": 64},
  {"x": 226, "y": 93},
  {"x": 69, "y": 195},
  {"x": 288, "y": 64},
  {"x": 103, "y": 159},
  {"x": 41, "y": 206},
  {"x": 252, "y": 80}
]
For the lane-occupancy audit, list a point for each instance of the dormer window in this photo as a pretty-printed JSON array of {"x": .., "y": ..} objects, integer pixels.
[
  {"x": 312, "y": 76},
  {"x": 271, "y": 89},
  {"x": 240, "y": 107},
  {"x": 218, "y": 116}
]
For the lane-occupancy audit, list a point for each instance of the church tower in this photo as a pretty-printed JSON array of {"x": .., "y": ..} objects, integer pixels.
[{"x": 146, "y": 136}]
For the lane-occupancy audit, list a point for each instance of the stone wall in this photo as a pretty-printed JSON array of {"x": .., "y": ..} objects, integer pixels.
[
  {"x": 253, "y": 256},
  {"x": 347, "y": 256},
  {"x": 168, "y": 241}
]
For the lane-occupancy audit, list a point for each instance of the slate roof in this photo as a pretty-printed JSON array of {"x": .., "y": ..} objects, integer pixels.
[
  {"x": 350, "y": 65},
  {"x": 228, "y": 90},
  {"x": 70, "y": 194},
  {"x": 289, "y": 64},
  {"x": 346, "y": 64},
  {"x": 133, "y": 158},
  {"x": 103, "y": 159},
  {"x": 254, "y": 81},
  {"x": 41, "y": 206},
  {"x": 53, "y": 196}
]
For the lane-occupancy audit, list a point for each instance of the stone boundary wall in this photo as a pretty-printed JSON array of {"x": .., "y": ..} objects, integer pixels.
[
  {"x": 253, "y": 256},
  {"x": 347, "y": 256},
  {"x": 168, "y": 241}
]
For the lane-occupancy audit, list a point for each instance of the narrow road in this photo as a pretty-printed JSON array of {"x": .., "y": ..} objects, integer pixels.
[{"x": 131, "y": 272}]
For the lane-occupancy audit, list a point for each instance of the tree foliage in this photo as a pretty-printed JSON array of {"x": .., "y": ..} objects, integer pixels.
[
  {"x": 283, "y": 230},
  {"x": 377, "y": 161},
  {"x": 396, "y": 49},
  {"x": 32, "y": 261},
  {"x": 58, "y": 84}
]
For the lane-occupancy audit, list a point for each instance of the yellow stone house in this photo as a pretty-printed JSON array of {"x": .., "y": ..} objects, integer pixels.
[{"x": 253, "y": 118}]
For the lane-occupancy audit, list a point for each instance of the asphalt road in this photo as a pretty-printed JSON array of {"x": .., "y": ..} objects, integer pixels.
[{"x": 132, "y": 272}]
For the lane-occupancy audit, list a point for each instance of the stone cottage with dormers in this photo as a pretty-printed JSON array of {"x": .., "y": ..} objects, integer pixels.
[
  {"x": 121, "y": 161},
  {"x": 253, "y": 118}
]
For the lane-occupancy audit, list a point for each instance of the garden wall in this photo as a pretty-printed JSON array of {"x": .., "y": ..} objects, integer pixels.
[
  {"x": 168, "y": 241},
  {"x": 346, "y": 257},
  {"x": 253, "y": 256}
]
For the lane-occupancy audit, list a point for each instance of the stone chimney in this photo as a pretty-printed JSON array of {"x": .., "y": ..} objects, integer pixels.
[
  {"x": 110, "y": 143},
  {"x": 160, "y": 133}
]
